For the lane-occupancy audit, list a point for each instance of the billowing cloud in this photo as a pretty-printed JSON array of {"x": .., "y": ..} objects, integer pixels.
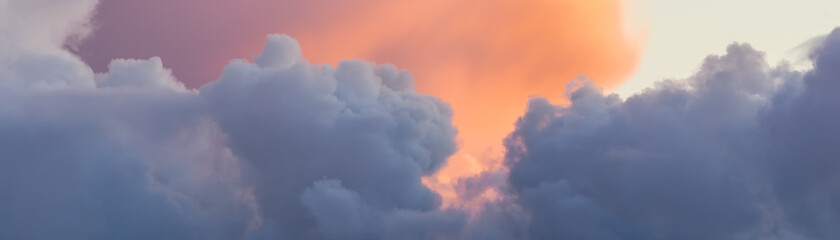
[
  {"x": 277, "y": 148},
  {"x": 32, "y": 34},
  {"x": 282, "y": 148},
  {"x": 484, "y": 58},
  {"x": 355, "y": 139},
  {"x": 740, "y": 150},
  {"x": 139, "y": 73},
  {"x": 80, "y": 160},
  {"x": 128, "y": 164},
  {"x": 801, "y": 138}
]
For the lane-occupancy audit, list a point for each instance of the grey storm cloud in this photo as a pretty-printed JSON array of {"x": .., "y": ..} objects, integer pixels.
[{"x": 740, "y": 150}]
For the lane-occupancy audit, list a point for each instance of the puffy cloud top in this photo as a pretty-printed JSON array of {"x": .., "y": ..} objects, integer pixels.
[
  {"x": 281, "y": 148},
  {"x": 740, "y": 150},
  {"x": 355, "y": 138},
  {"x": 278, "y": 148},
  {"x": 32, "y": 36},
  {"x": 139, "y": 73}
]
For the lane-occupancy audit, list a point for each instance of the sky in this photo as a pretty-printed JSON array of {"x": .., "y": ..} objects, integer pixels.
[
  {"x": 777, "y": 27},
  {"x": 375, "y": 119},
  {"x": 484, "y": 58}
]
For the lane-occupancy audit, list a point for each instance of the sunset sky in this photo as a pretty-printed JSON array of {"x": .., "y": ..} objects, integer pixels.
[
  {"x": 485, "y": 58},
  {"x": 419, "y": 119}
]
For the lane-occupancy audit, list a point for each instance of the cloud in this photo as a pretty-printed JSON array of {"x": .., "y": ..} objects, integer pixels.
[
  {"x": 139, "y": 73},
  {"x": 127, "y": 164},
  {"x": 32, "y": 34},
  {"x": 279, "y": 148},
  {"x": 82, "y": 162},
  {"x": 484, "y": 59},
  {"x": 800, "y": 134},
  {"x": 740, "y": 150},
  {"x": 282, "y": 148},
  {"x": 359, "y": 126},
  {"x": 44, "y": 24}
]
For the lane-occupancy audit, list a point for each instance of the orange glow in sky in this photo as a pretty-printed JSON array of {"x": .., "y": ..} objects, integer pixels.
[{"x": 485, "y": 58}]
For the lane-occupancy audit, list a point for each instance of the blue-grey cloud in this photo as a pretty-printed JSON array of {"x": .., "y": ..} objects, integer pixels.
[
  {"x": 801, "y": 135},
  {"x": 275, "y": 148},
  {"x": 355, "y": 138},
  {"x": 280, "y": 148},
  {"x": 740, "y": 150},
  {"x": 82, "y": 162}
]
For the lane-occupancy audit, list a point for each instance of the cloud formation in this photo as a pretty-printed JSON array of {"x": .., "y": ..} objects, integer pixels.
[
  {"x": 282, "y": 148},
  {"x": 32, "y": 34},
  {"x": 484, "y": 59},
  {"x": 277, "y": 148},
  {"x": 355, "y": 140},
  {"x": 104, "y": 157},
  {"x": 740, "y": 150}
]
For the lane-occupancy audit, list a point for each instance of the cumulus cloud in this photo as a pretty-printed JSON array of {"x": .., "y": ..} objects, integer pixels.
[
  {"x": 354, "y": 138},
  {"x": 282, "y": 148},
  {"x": 82, "y": 162},
  {"x": 740, "y": 150},
  {"x": 32, "y": 36},
  {"x": 139, "y": 73},
  {"x": 801, "y": 138},
  {"x": 128, "y": 164},
  {"x": 278, "y": 148}
]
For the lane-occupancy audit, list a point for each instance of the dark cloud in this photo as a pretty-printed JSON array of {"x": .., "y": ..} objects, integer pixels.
[{"x": 740, "y": 150}]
